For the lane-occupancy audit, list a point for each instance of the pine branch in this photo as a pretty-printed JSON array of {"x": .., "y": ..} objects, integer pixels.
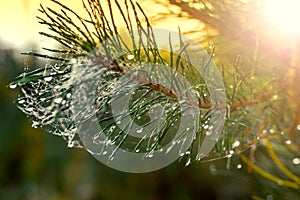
[{"x": 47, "y": 92}]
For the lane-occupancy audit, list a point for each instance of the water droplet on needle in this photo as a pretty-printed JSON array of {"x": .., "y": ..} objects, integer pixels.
[{"x": 12, "y": 86}]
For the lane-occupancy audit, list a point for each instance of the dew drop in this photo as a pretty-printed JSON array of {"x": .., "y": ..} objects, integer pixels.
[
  {"x": 264, "y": 131},
  {"x": 208, "y": 133},
  {"x": 34, "y": 124},
  {"x": 58, "y": 100},
  {"x": 12, "y": 86},
  {"x": 236, "y": 144},
  {"x": 150, "y": 155},
  {"x": 296, "y": 161},
  {"x": 29, "y": 109},
  {"x": 69, "y": 95},
  {"x": 130, "y": 57},
  {"x": 111, "y": 158},
  {"x": 108, "y": 142},
  {"x": 21, "y": 101},
  {"x": 137, "y": 150},
  {"x": 48, "y": 78},
  {"x": 140, "y": 130},
  {"x": 188, "y": 162},
  {"x": 288, "y": 142}
]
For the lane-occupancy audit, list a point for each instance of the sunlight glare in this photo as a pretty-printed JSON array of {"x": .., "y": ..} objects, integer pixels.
[{"x": 284, "y": 15}]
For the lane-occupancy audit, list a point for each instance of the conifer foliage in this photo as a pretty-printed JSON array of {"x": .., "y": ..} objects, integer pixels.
[{"x": 259, "y": 106}]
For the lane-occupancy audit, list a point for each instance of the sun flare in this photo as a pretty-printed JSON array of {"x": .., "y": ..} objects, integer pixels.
[{"x": 284, "y": 15}]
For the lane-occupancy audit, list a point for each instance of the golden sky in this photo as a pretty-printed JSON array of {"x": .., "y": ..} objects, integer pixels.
[{"x": 19, "y": 25}]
